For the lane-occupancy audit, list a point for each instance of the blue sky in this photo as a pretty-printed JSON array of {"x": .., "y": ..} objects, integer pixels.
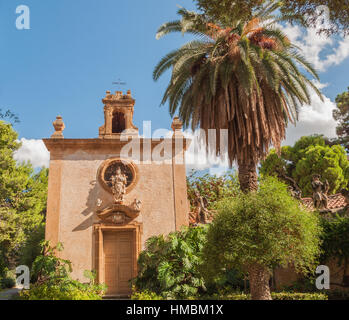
[
  {"x": 72, "y": 54},
  {"x": 76, "y": 49}
]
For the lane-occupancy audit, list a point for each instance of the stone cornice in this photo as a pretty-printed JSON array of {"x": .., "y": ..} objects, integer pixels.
[{"x": 112, "y": 144}]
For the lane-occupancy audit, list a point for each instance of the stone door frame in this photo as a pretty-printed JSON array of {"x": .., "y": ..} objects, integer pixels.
[{"x": 99, "y": 230}]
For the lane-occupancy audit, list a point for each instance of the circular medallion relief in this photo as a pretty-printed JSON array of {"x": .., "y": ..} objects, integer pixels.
[{"x": 110, "y": 168}]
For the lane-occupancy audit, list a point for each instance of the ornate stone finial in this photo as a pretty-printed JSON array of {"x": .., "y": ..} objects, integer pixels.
[
  {"x": 177, "y": 124},
  {"x": 129, "y": 93},
  {"x": 59, "y": 126},
  {"x": 108, "y": 92}
]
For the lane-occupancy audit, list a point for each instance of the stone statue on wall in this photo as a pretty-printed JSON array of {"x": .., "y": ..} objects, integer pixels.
[
  {"x": 119, "y": 182},
  {"x": 200, "y": 213},
  {"x": 320, "y": 191}
]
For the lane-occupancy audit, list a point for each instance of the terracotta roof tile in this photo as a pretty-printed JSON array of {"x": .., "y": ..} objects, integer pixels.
[{"x": 335, "y": 201}]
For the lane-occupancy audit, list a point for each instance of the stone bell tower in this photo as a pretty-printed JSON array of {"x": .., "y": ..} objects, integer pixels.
[
  {"x": 118, "y": 115},
  {"x": 103, "y": 204}
]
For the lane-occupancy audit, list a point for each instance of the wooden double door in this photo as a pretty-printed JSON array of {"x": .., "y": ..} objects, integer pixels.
[{"x": 119, "y": 258}]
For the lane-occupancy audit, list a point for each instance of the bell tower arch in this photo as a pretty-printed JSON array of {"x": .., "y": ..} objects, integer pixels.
[{"x": 118, "y": 115}]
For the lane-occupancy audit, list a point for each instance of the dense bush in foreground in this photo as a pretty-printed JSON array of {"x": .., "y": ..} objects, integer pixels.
[
  {"x": 169, "y": 266},
  {"x": 53, "y": 281},
  {"x": 240, "y": 296}
]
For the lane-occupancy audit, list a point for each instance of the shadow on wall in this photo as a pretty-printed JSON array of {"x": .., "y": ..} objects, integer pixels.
[{"x": 90, "y": 208}]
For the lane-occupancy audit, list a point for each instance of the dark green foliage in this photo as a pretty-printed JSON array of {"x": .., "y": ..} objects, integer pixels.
[
  {"x": 310, "y": 155},
  {"x": 267, "y": 227},
  {"x": 6, "y": 283},
  {"x": 53, "y": 281},
  {"x": 31, "y": 248},
  {"x": 341, "y": 114},
  {"x": 169, "y": 266},
  {"x": 292, "y": 10},
  {"x": 212, "y": 187},
  {"x": 48, "y": 267},
  {"x": 335, "y": 238},
  {"x": 226, "y": 10}
]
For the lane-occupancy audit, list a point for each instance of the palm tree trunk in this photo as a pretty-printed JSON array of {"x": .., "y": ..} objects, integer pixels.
[
  {"x": 259, "y": 282},
  {"x": 248, "y": 176}
]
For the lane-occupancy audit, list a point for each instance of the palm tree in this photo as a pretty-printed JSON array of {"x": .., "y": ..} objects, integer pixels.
[{"x": 242, "y": 77}]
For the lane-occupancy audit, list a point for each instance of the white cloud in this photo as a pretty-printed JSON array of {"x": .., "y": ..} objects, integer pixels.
[
  {"x": 197, "y": 158},
  {"x": 33, "y": 151},
  {"x": 323, "y": 52},
  {"x": 314, "y": 119}
]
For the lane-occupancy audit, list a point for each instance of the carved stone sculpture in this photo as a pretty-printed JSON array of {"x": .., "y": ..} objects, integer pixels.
[
  {"x": 200, "y": 214},
  {"x": 136, "y": 205},
  {"x": 119, "y": 182},
  {"x": 320, "y": 191},
  {"x": 99, "y": 203},
  {"x": 118, "y": 214}
]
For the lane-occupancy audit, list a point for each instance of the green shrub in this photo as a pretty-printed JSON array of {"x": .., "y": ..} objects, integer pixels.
[
  {"x": 6, "y": 283},
  {"x": 261, "y": 230},
  {"x": 63, "y": 290},
  {"x": 8, "y": 279},
  {"x": 145, "y": 295},
  {"x": 275, "y": 296},
  {"x": 298, "y": 296},
  {"x": 53, "y": 281},
  {"x": 169, "y": 266}
]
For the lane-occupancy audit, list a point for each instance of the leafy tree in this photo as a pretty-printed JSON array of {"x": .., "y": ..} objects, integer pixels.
[
  {"x": 258, "y": 231},
  {"x": 22, "y": 198},
  {"x": 212, "y": 187},
  {"x": 242, "y": 77},
  {"x": 341, "y": 114},
  {"x": 338, "y": 14},
  {"x": 310, "y": 155},
  {"x": 294, "y": 10}
]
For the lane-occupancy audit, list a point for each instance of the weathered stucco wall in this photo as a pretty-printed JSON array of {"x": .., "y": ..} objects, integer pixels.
[{"x": 74, "y": 190}]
